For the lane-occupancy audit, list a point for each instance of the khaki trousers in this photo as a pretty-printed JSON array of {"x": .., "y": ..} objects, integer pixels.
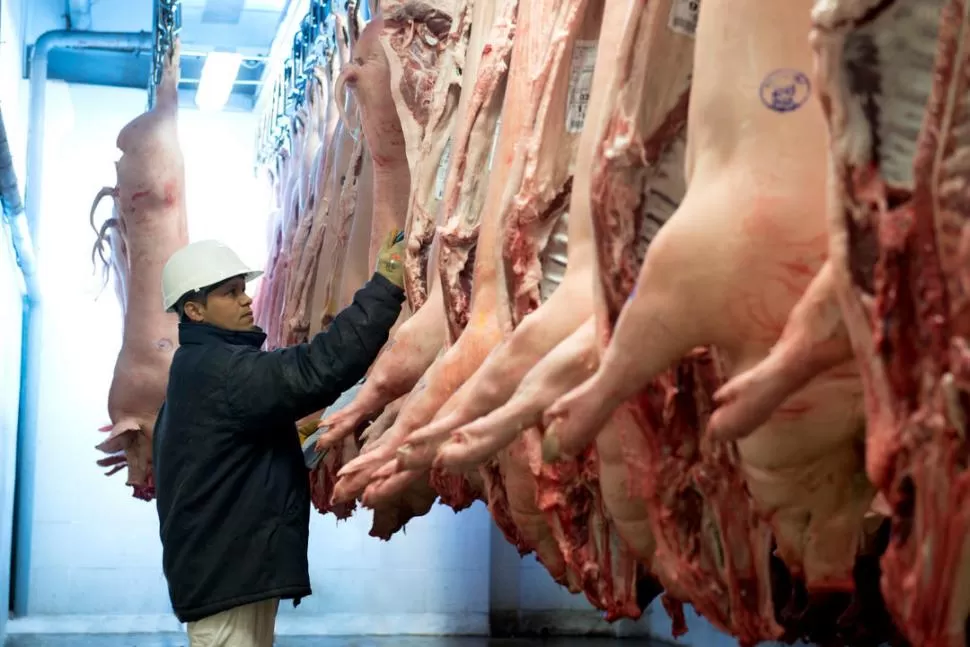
[{"x": 251, "y": 625}]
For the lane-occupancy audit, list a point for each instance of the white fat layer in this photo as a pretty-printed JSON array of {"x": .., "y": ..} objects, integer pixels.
[
  {"x": 662, "y": 192},
  {"x": 890, "y": 62},
  {"x": 553, "y": 258}
]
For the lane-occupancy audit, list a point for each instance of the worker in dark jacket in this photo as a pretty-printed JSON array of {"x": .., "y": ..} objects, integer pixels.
[{"x": 232, "y": 488}]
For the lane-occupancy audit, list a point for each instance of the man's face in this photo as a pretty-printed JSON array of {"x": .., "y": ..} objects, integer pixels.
[{"x": 227, "y": 306}]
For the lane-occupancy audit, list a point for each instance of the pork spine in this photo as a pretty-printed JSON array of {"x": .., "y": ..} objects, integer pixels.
[
  {"x": 151, "y": 208},
  {"x": 912, "y": 213}
]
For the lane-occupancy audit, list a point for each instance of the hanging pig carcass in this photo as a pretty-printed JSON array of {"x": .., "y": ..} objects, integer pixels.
[
  {"x": 545, "y": 129},
  {"x": 380, "y": 134},
  {"x": 746, "y": 187},
  {"x": 894, "y": 82},
  {"x": 424, "y": 45},
  {"x": 151, "y": 225}
]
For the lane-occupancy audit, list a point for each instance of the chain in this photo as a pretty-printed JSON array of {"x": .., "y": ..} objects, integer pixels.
[
  {"x": 311, "y": 45},
  {"x": 168, "y": 23}
]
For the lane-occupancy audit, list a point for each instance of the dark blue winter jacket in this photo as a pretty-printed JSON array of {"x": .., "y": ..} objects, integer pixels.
[{"x": 231, "y": 486}]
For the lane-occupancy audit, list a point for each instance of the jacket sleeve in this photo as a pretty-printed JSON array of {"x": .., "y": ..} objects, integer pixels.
[{"x": 293, "y": 382}]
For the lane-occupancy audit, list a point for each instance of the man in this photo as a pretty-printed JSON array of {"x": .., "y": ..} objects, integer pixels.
[{"x": 232, "y": 488}]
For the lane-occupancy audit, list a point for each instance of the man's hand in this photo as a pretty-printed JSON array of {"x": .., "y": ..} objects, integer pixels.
[{"x": 390, "y": 260}]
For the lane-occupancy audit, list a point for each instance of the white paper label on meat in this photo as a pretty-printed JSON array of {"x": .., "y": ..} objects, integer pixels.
[
  {"x": 442, "y": 176},
  {"x": 491, "y": 153},
  {"x": 683, "y": 17},
  {"x": 580, "y": 84}
]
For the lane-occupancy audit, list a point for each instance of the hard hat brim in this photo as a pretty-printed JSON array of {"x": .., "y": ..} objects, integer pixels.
[{"x": 247, "y": 277}]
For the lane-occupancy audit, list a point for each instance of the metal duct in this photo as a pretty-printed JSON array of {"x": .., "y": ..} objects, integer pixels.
[
  {"x": 38, "y": 96},
  {"x": 13, "y": 214},
  {"x": 79, "y": 14},
  {"x": 30, "y": 379}
]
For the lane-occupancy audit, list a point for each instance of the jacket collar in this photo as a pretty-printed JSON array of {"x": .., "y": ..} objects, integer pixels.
[{"x": 201, "y": 333}]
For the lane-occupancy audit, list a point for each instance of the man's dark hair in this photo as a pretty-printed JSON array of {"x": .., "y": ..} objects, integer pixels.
[{"x": 199, "y": 296}]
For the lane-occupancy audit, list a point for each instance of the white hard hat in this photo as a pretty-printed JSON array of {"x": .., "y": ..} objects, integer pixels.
[{"x": 198, "y": 265}]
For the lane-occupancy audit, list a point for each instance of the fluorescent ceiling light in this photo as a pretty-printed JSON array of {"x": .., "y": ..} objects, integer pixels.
[{"x": 218, "y": 76}]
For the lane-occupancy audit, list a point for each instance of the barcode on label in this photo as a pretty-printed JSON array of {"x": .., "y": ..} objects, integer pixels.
[
  {"x": 491, "y": 153},
  {"x": 442, "y": 176},
  {"x": 683, "y": 17},
  {"x": 580, "y": 84}
]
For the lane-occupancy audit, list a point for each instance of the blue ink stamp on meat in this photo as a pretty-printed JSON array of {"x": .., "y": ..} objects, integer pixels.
[{"x": 785, "y": 90}]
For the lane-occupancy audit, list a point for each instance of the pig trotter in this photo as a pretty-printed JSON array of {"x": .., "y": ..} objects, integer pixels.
[{"x": 815, "y": 339}]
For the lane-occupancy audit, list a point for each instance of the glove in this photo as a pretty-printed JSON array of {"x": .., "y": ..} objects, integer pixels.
[
  {"x": 390, "y": 260},
  {"x": 306, "y": 430}
]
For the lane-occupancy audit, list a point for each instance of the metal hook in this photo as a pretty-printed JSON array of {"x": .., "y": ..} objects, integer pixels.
[
  {"x": 313, "y": 44},
  {"x": 167, "y": 21}
]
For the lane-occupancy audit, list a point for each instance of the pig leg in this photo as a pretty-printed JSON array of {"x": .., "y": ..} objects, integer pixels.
[
  {"x": 449, "y": 372},
  {"x": 504, "y": 369},
  {"x": 661, "y": 304},
  {"x": 440, "y": 382},
  {"x": 356, "y": 475},
  {"x": 815, "y": 339},
  {"x": 375, "y": 432},
  {"x": 401, "y": 364},
  {"x": 116, "y": 462},
  {"x": 566, "y": 366},
  {"x": 120, "y": 435}
]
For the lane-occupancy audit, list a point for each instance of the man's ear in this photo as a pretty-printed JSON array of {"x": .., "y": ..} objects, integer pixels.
[{"x": 195, "y": 311}]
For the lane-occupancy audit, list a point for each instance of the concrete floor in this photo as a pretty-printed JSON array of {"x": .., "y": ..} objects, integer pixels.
[{"x": 176, "y": 640}]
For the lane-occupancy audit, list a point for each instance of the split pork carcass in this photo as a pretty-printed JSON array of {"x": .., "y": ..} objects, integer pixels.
[
  {"x": 477, "y": 112},
  {"x": 265, "y": 302},
  {"x": 311, "y": 144},
  {"x": 283, "y": 305},
  {"x": 368, "y": 77},
  {"x": 532, "y": 258},
  {"x": 151, "y": 224},
  {"x": 747, "y": 186},
  {"x": 293, "y": 313},
  {"x": 622, "y": 90},
  {"x": 338, "y": 201},
  {"x": 894, "y": 292},
  {"x": 290, "y": 211},
  {"x": 262, "y": 300},
  {"x": 424, "y": 46},
  {"x": 460, "y": 189},
  {"x": 528, "y": 213},
  {"x": 483, "y": 331},
  {"x": 474, "y": 209}
]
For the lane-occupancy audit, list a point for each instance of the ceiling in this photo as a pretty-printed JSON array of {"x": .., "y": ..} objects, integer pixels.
[{"x": 244, "y": 26}]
